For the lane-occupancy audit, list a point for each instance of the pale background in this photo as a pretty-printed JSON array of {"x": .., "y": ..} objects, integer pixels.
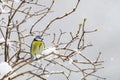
[
  {"x": 101, "y": 14},
  {"x": 105, "y": 16}
]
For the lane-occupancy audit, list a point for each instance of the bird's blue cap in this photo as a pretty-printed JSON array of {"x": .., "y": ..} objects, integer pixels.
[{"x": 38, "y": 37}]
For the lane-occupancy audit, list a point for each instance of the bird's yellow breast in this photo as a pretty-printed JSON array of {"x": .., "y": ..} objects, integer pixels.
[
  {"x": 37, "y": 42},
  {"x": 36, "y": 45}
]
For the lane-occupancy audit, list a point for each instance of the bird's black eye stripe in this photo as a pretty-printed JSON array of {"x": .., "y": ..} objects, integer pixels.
[
  {"x": 35, "y": 40},
  {"x": 41, "y": 38}
]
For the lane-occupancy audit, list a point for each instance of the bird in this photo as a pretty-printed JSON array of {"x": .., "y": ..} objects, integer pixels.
[{"x": 37, "y": 46}]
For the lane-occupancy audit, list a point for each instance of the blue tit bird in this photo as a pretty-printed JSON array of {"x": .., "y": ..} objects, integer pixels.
[{"x": 37, "y": 47}]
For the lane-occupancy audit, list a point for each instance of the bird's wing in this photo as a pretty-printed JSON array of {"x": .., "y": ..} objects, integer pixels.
[
  {"x": 34, "y": 48},
  {"x": 31, "y": 47},
  {"x": 31, "y": 51},
  {"x": 41, "y": 47}
]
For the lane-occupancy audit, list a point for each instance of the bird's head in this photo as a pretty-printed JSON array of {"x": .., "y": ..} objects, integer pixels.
[{"x": 38, "y": 38}]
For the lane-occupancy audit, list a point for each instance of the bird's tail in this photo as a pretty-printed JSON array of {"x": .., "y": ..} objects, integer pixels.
[{"x": 33, "y": 57}]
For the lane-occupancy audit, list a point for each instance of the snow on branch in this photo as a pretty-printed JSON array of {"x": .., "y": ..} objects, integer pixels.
[{"x": 4, "y": 69}]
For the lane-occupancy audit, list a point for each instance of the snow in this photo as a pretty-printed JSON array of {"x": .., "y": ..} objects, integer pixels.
[
  {"x": 50, "y": 50},
  {"x": 77, "y": 51},
  {"x": 47, "y": 75},
  {"x": 4, "y": 69},
  {"x": 70, "y": 61}
]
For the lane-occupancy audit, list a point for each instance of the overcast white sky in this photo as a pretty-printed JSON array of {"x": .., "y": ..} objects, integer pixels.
[{"x": 104, "y": 15}]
